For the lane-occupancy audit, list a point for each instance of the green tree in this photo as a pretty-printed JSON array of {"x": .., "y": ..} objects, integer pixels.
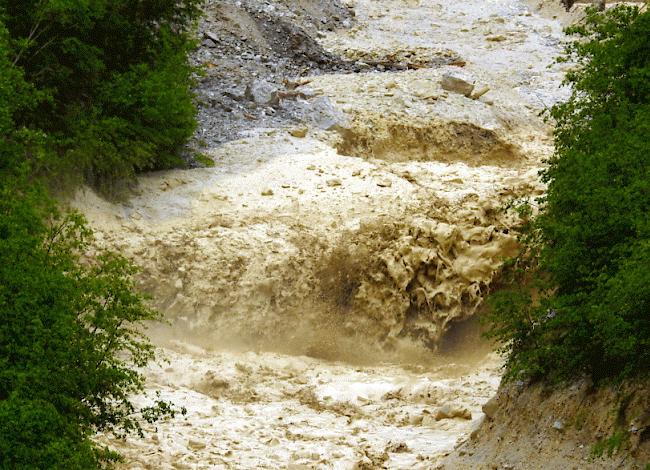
[
  {"x": 589, "y": 250},
  {"x": 15, "y": 94},
  {"x": 71, "y": 335},
  {"x": 110, "y": 80}
]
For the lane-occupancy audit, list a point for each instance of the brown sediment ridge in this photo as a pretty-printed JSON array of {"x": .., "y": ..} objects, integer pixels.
[{"x": 399, "y": 140}]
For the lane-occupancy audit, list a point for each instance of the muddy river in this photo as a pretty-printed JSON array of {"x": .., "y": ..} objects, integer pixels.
[{"x": 321, "y": 280}]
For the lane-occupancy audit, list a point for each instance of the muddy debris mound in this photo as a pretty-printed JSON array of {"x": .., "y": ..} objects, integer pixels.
[
  {"x": 428, "y": 140},
  {"x": 254, "y": 56},
  {"x": 386, "y": 283},
  {"x": 577, "y": 428}
]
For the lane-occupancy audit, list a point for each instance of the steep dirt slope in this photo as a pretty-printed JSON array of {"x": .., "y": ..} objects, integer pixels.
[{"x": 543, "y": 428}]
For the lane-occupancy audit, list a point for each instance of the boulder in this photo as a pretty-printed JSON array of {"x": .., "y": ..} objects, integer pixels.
[
  {"x": 490, "y": 408},
  {"x": 453, "y": 410},
  {"x": 261, "y": 92},
  {"x": 325, "y": 116},
  {"x": 457, "y": 82},
  {"x": 211, "y": 35}
]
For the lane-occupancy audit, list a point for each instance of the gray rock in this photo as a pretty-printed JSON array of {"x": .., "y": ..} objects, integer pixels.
[
  {"x": 491, "y": 407},
  {"x": 457, "y": 82},
  {"x": 209, "y": 43},
  {"x": 453, "y": 410},
  {"x": 325, "y": 116},
  {"x": 261, "y": 92},
  {"x": 334, "y": 182},
  {"x": 558, "y": 425},
  {"x": 209, "y": 35}
]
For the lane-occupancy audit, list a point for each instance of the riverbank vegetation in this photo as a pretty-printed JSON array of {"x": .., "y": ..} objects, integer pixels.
[
  {"x": 576, "y": 301},
  {"x": 90, "y": 91},
  {"x": 95, "y": 89},
  {"x": 579, "y": 296}
]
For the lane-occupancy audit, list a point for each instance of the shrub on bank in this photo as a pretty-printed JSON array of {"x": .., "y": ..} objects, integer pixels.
[
  {"x": 70, "y": 338},
  {"x": 578, "y": 300}
]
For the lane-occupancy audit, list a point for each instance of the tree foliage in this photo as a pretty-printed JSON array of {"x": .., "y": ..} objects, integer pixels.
[
  {"x": 70, "y": 337},
  {"x": 103, "y": 85},
  {"x": 588, "y": 308},
  {"x": 93, "y": 89}
]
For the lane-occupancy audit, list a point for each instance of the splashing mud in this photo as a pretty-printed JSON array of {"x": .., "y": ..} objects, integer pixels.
[
  {"x": 377, "y": 253},
  {"x": 377, "y": 216}
]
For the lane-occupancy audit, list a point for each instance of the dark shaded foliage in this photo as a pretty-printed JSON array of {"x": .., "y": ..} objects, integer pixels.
[{"x": 104, "y": 85}]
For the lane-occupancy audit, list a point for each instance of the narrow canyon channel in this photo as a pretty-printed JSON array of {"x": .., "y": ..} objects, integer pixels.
[{"x": 322, "y": 280}]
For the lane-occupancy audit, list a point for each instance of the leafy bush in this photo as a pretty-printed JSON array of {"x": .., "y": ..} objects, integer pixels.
[
  {"x": 106, "y": 84},
  {"x": 588, "y": 308},
  {"x": 70, "y": 337}
]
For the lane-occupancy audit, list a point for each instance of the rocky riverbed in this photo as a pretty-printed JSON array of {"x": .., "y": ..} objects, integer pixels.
[{"x": 319, "y": 277}]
